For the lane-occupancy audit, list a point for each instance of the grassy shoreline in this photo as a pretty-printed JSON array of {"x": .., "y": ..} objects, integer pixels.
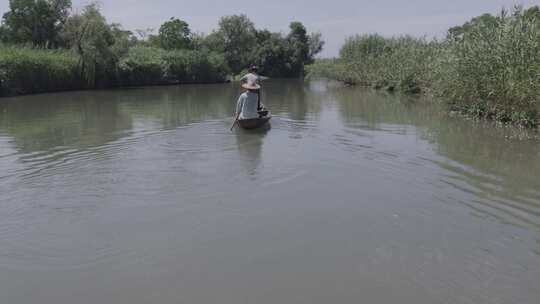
[
  {"x": 46, "y": 46},
  {"x": 487, "y": 68},
  {"x": 25, "y": 70}
]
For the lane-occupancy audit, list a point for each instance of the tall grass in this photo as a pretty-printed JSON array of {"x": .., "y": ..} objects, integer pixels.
[
  {"x": 150, "y": 66},
  {"x": 490, "y": 70},
  {"x": 143, "y": 66},
  {"x": 494, "y": 71},
  {"x": 25, "y": 70},
  {"x": 399, "y": 63},
  {"x": 196, "y": 66}
]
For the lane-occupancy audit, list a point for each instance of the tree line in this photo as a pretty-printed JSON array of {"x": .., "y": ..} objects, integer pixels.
[
  {"x": 36, "y": 35},
  {"x": 485, "y": 68}
]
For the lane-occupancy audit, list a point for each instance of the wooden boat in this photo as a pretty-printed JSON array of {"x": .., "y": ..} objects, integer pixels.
[{"x": 254, "y": 123}]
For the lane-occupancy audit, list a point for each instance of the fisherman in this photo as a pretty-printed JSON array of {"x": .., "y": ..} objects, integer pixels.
[
  {"x": 253, "y": 78},
  {"x": 248, "y": 102}
]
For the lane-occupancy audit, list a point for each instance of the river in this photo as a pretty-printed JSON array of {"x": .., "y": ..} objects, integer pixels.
[{"x": 352, "y": 196}]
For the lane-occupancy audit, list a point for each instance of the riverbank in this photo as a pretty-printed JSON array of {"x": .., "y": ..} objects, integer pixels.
[
  {"x": 26, "y": 70},
  {"x": 81, "y": 50},
  {"x": 486, "y": 68}
]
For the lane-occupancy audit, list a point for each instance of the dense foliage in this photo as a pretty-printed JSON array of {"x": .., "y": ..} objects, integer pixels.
[
  {"x": 278, "y": 55},
  {"x": 487, "y": 67},
  {"x": 143, "y": 66},
  {"x": 151, "y": 66},
  {"x": 492, "y": 68},
  {"x": 38, "y": 22},
  {"x": 401, "y": 63},
  {"x": 41, "y": 36},
  {"x": 236, "y": 38},
  {"x": 89, "y": 35},
  {"x": 175, "y": 34},
  {"x": 26, "y": 70}
]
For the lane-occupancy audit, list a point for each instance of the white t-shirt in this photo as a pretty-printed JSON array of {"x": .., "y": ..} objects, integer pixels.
[{"x": 247, "y": 105}]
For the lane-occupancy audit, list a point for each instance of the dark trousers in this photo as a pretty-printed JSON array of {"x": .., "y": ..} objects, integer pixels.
[{"x": 259, "y": 100}]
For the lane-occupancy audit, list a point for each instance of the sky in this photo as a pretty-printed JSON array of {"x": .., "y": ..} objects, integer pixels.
[{"x": 335, "y": 19}]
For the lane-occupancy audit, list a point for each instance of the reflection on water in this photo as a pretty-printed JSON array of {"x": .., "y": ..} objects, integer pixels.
[
  {"x": 499, "y": 169},
  {"x": 250, "y": 145},
  {"x": 145, "y": 196},
  {"x": 46, "y": 122}
]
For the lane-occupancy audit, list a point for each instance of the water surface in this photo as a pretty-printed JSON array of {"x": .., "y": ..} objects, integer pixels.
[{"x": 145, "y": 196}]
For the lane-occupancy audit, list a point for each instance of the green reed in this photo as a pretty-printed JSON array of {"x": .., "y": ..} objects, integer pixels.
[
  {"x": 149, "y": 66},
  {"x": 491, "y": 69},
  {"x": 26, "y": 70}
]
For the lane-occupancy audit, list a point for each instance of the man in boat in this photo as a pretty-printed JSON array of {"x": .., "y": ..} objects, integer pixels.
[
  {"x": 248, "y": 103},
  {"x": 252, "y": 77}
]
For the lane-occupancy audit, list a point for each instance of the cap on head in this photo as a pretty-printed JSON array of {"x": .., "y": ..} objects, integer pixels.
[{"x": 253, "y": 68}]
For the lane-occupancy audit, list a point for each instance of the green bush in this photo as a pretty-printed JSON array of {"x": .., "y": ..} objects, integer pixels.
[
  {"x": 336, "y": 69},
  {"x": 196, "y": 67},
  {"x": 363, "y": 47},
  {"x": 25, "y": 70},
  {"x": 492, "y": 70},
  {"x": 151, "y": 66},
  {"x": 488, "y": 68},
  {"x": 401, "y": 63},
  {"x": 143, "y": 66},
  {"x": 210, "y": 67}
]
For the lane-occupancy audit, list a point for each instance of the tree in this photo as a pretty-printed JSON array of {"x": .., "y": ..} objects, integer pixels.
[
  {"x": 316, "y": 45},
  {"x": 273, "y": 55},
  {"x": 3, "y": 34},
  {"x": 237, "y": 38},
  {"x": 92, "y": 38},
  {"x": 198, "y": 41},
  {"x": 175, "y": 34},
  {"x": 305, "y": 47},
  {"x": 213, "y": 41},
  {"x": 532, "y": 13},
  {"x": 36, "y": 21},
  {"x": 459, "y": 32},
  {"x": 279, "y": 56},
  {"x": 299, "y": 45},
  {"x": 123, "y": 40}
]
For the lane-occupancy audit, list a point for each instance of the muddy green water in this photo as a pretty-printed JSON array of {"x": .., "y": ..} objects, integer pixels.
[{"x": 145, "y": 196}]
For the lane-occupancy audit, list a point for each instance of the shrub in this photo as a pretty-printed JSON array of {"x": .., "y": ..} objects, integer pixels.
[
  {"x": 486, "y": 68},
  {"x": 492, "y": 70},
  {"x": 196, "y": 66},
  {"x": 401, "y": 63},
  {"x": 25, "y": 70},
  {"x": 143, "y": 66},
  {"x": 151, "y": 66}
]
